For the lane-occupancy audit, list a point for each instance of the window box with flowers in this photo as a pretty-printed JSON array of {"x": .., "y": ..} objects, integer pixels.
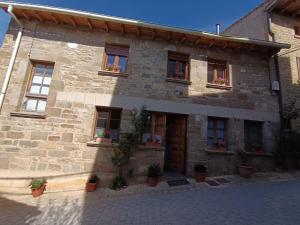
[
  {"x": 218, "y": 74},
  {"x": 103, "y": 137}
]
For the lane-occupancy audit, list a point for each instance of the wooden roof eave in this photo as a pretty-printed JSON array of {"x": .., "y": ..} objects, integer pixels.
[{"x": 126, "y": 26}]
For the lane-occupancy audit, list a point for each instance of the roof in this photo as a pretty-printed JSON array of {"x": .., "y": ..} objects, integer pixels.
[
  {"x": 287, "y": 7},
  {"x": 124, "y": 26}
]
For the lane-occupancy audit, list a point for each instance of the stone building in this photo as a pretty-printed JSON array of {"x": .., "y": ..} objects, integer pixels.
[
  {"x": 277, "y": 20},
  {"x": 78, "y": 74}
]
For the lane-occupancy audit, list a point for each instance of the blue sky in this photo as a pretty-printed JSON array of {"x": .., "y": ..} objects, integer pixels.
[{"x": 199, "y": 15}]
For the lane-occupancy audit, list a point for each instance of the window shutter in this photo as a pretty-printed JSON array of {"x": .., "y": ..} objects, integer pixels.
[
  {"x": 298, "y": 67},
  {"x": 117, "y": 50}
]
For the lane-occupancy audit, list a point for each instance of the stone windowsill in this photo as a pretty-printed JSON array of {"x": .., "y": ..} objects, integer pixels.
[
  {"x": 262, "y": 154},
  {"x": 217, "y": 152},
  {"x": 217, "y": 86},
  {"x": 103, "y": 144},
  {"x": 28, "y": 115},
  {"x": 187, "y": 82},
  {"x": 297, "y": 36},
  {"x": 110, "y": 73}
]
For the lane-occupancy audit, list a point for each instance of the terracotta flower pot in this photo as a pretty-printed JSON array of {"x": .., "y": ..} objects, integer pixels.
[
  {"x": 200, "y": 177},
  {"x": 38, "y": 192},
  {"x": 103, "y": 140},
  {"x": 90, "y": 187},
  {"x": 152, "y": 181},
  {"x": 245, "y": 171}
]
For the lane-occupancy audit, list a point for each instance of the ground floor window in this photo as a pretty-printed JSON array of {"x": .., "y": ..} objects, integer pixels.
[
  {"x": 107, "y": 123},
  {"x": 253, "y": 136},
  {"x": 155, "y": 129},
  {"x": 216, "y": 133}
]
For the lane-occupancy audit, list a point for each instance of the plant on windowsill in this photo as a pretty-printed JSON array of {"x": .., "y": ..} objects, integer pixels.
[
  {"x": 110, "y": 67},
  {"x": 128, "y": 143},
  {"x": 220, "y": 81},
  {"x": 219, "y": 147},
  {"x": 200, "y": 172},
  {"x": 103, "y": 137},
  {"x": 38, "y": 186},
  {"x": 91, "y": 184},
  {"x": 153, "y": 143},
  {"x": 153, "y": 175},
  {"x": 244, "y": 169}
]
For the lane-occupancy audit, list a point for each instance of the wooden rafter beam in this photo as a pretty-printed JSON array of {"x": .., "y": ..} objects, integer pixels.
[
  {"x": 297, "y": 12},
  {"x": 197, "y": 41},
  {"x": 153, "y": 34},
  {"x": 225, "y": 45},
  {"x": 138, "y": 30},
  {"x": 287, "y": 5},
  {"x": 72, "y": 20},
  {"x": 54, "y": 19},
  {"x": 26, "y": 16},
  {"x": 169, "y": 36},
  {"x": 239, "y": 47},
  {"x": 38, "y": 16},
  {"x": 183, "y": 38},
  {"x": 106, "y": 27},
  {"x": 211, "y": 44},
  {"x": 90, "y": 24},
  {"x": 123, "y": 31}
]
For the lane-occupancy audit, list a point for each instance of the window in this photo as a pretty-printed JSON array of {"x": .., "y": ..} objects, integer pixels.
[
  {"x": 216, "y": 133},
  {"x": 116, "y": 58},
  {"x": 298, "y": 67},
  {"x": 253, "y": 136},
  {"x": 108, "y": 123},
  {"x": 155, "y": 129},
  {"x": 297, "y": 30},
  {"x": 217, "y": 72},
  {"x": 178, "y": 66},
  {"x": 38, "y": 88}
]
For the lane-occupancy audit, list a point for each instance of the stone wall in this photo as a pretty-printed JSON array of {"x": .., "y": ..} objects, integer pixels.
[{"x": 58, "y": 142}]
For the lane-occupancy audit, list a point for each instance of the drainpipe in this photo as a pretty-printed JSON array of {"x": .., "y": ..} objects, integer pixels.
[
  {"x": 280, "y": 101},
  {"x": 13, "y": 56}
]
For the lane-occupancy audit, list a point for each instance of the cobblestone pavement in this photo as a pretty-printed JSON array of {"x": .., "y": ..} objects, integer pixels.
[{"x": 271, "y": 203}]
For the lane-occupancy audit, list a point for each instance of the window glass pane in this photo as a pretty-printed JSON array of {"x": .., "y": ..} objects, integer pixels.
[
  {"x": 48, "y": 71},
  {"x": 111, "y": 60},
  {"x": 122, "y": 64},
  {"x": 100, "y": 130},
  {"x": 39, "y": 71},
  {"x": 171, "y": 68},
  {"x": 182, "y": 66},
  {"x": 115, "y": 114},
  {"x": 31, "y": 104},
  {"x": 101, "y": 123},
  {"x": 221, "y": 72},
  {"x": 114, "y": 124},
  {"x": 41, "y": 105},
  {"x": 210, "y": 133},
  {"x": 221, "y": 124},
  {"x": 47, "y": 81},
  {"x": 114, "y": 134},
  {"x": 37, "y": 80},
  {"x": 45, "y": 90},
  {"x": 35, "y": 89},
  {"x": 103, "y": 114},
  {"x": 220, "y": 134},
  {"x": 210, "y": 73},
  {"x": 210, "y": 123},
  {"x": 210, "y": 142}
]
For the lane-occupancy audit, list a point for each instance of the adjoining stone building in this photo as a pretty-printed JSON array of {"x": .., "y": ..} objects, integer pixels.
[
  {"x": 278, "y": 21},
  {"x": 77, "y": 74}
]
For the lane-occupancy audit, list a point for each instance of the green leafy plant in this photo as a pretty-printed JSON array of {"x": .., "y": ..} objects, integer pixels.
[
  {"x": 129, "y": 141},
  {"x": 200, "y": 168},
  {"x": 93, "y": 179},
  {"x": 37, "y": 183},
  {"x": 242, "y": 155},
  {"x": 154, "y": 170},
  {"x": 117, "y": 183}
]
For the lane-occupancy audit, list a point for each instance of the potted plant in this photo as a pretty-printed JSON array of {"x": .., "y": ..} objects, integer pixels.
[
  {"x": 154, "y": 143},
  {"x": 153, "y": 174},
  {"x": 244, "y": 169},
  {"x": 38, "y": 186},
  {"x": 91, "y": 184},
  {"x": 200, "y": 172},
  {"x": 103, "y": 137}
]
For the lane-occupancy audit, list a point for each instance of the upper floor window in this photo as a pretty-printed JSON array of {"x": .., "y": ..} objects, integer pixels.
[
  {"x": 116, "y": 58},
  {"x": 217, "y": 72},
  {"x": 253, "y": 136},
  {"x": 297, "y": 30},
  {"x": 178, "y": 66},
  {"x": 216, "y": 133},
  {"x": 108, "y": 123},
  {"x": 38, "y": 88}
]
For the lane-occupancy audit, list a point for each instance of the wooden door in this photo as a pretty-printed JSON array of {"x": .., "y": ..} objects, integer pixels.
[{"x": 175, "y": 143}]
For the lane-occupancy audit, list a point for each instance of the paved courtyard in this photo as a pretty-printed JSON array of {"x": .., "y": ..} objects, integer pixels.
[{"x": 269, "y": 203}]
